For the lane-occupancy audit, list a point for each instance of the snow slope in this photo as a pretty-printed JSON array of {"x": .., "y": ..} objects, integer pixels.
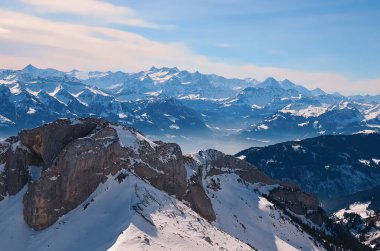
[
  {"x": 242, "y": 211},
  {"x": 131, "y": 215}
]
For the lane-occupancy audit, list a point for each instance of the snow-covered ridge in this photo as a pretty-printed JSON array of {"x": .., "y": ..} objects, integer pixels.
[
  {"x": 131, "y": 139},
  {"x": 131, "y": 215},
  {"x": 5, "y": 120},
  {"x": 360, "y": 209},
  {"x": 236, "y": 205}
]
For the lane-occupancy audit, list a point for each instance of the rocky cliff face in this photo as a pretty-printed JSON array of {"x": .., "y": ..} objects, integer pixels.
[
  {"x": 4, "y": 148},
  {"x": 74, "y": 157},
  {"x": 64, "y": 162},
  {"x": 38, "y": 147},
  {"x": 47, "y": 141},
  {"x": 75, "y": 167}
]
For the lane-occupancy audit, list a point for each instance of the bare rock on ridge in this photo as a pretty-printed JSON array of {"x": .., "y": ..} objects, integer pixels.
[
  {"x": 195, "y": 193},
  {"x": 48, "y": 140},
  {"x": 86, "y": 162}
]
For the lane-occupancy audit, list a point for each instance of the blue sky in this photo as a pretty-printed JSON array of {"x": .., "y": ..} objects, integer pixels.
[
  {"x": 306, "y": 35},
  {"x": 329, "y": 44}
]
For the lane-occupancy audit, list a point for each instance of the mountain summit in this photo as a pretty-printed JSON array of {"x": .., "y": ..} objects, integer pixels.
[{"x": 70, "y": 178}]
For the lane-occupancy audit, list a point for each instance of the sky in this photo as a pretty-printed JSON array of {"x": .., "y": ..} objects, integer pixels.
[{"x": 330, "y": 44}]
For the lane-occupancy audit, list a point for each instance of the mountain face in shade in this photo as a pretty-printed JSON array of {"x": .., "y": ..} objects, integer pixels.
[
  {"x": 93, "y": 185},
  {"x": 328, "y": 166},
  {"x": 343, "y": 171}
]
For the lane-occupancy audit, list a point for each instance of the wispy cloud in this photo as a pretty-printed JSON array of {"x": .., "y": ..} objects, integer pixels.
[
  {"x": 65, "y": 46},
  {"x": 104, "y": 11}
]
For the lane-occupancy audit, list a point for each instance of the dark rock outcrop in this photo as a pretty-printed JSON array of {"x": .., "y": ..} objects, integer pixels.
[
  {"x": 80, "y": 167},
  {"x": 85, "y": 162},
  {"x": 4, "y": 148},
  {"x": 38, "y": 146},
  {"x": 196, "y": 195},
  {"x": 296, "y": 200},
  {"x": 16, "y": 167},
  {"x": 163, "y": 167},
  {"x": 48, "y": 140}
]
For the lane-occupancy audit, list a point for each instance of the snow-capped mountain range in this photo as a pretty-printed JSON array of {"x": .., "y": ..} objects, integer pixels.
[{"x": 180, "y": 105}]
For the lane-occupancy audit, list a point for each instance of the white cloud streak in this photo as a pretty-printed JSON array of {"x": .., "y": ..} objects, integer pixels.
[
  {"x": 96, "y": 9},
  {"x": 64, "y": 46}
]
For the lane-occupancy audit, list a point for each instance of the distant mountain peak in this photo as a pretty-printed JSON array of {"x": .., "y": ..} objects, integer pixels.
[
  {"x": 153, "y": 68},
  {"x": 318, "y": 91},
  {"x": 269, "y": 82},
  {"x": 162, "y": 69},
  {"x": 170, "y": 69},
  {"x": 287, "y": 82},
  {"x": 335, "y": 93},
  {"x": 30, "y": 68}
]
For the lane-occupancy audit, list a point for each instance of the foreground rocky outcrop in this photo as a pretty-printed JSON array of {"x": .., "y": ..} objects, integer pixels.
[
  {"x": 64, "y": 162},
  {"x": 74, "y": 157}
]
